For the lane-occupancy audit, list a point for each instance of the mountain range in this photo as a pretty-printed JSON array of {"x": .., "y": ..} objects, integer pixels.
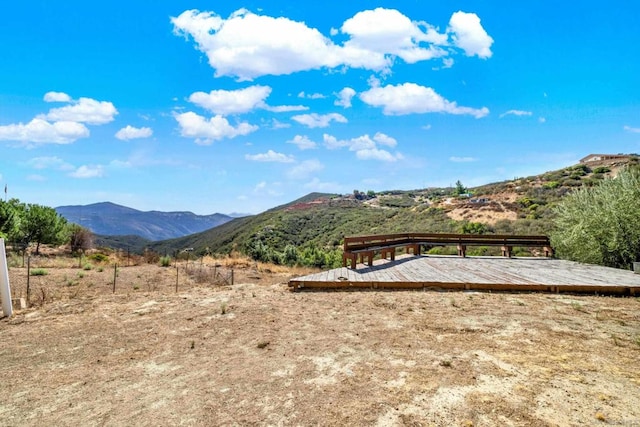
[{"x": 110, "y": 219}]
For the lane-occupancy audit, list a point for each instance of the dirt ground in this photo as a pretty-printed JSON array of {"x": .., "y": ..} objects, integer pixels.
[{"x": 254, "y": 353}]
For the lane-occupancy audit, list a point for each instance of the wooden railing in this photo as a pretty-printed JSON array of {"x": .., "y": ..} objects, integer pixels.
[{"x": 365, "y": 247}]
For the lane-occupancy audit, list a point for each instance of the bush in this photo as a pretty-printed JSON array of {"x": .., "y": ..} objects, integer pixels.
[
  {"x": 601, "y": 225},
  {"x": 403, "y": 201},
  {"x": 39, "y": 272},
  {"x": 290, "y": 255},
  {"x": 165, "y": 261},
  {"x": 601, "y": 169},
  {"x": 98, "y": 257},
  {"x": 474, "y": 228}
]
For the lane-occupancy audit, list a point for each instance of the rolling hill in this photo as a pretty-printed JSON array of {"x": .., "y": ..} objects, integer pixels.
[
  {"x": 110, "y": 219},
  {"x": 518, "y": 206}
]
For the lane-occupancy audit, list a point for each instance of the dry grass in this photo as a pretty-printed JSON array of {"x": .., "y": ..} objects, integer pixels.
[{"x": 256, "y": 354}]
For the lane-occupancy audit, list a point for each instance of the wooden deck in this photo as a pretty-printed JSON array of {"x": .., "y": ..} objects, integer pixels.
[{"x": 476, "y": 273}]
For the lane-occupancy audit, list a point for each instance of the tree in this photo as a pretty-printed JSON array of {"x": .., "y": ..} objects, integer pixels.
[
  {"x": 42, "y": 225},
  {"x": 80, "y": 238},
  {"x": 11, "y": 213},
  {"x": 460, "y": 189},
  {"x": 601, "y": 224}
]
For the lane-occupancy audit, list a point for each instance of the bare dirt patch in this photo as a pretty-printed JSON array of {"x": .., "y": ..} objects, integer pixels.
[
  {"x": 256, "y": 354},
  {"x": 486, "y": 215}
]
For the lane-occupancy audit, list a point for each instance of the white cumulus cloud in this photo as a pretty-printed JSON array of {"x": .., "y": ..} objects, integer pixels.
[
  {"x": 56, "y": 97},
  {"x": 61, "y": 125},
  {"x": 315, "y": 120},
  {"x": 247, "y": 45},
  {"x": 303, "y": 142},
  {"x": 225, "y": 102},
  {"x": 40, "y": 131},
  {"x": 88, "y": 171},
  {"x": 365, "y": 147},
  {"x": 205, "y": 131},
  {"x": 344, "y": 97},
  {"x": 270, "y": 156},
  {"x": 469, "y": 35},
  {"x": 130, "y": 132},
  {"x": 384, "y": 139},
  {"x": 381, "y": 32},
  {"x": 84, "y": 110},
  {"x": 311, "y": 95},
  {"x": 410, "y": 98}
]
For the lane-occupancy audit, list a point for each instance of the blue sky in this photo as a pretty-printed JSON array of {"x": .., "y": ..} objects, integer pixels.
[{"x": 241, "y": 106}]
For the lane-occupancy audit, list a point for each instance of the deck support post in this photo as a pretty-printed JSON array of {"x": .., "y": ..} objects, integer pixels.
[
  {"x": 506, "y": 251},
  {"x": 462, "y": 250}
]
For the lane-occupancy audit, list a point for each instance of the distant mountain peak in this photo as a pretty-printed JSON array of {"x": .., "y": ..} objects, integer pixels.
[{"x": 111, "y": 219}]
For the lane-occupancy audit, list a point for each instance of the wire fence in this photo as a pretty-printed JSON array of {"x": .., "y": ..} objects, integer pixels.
[
  {"x": 207, "y": 274},
  {"x": 40, "y": 279}
]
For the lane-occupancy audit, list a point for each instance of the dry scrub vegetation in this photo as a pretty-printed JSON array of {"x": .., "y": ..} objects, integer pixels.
[{"x": 256, "y": 354}]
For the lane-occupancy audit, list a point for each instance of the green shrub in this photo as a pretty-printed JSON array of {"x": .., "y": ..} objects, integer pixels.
[
  {"x": 98, "y": 257},
  {"x": 600, "y": 224},
  {"x": 571, "y": 183},
  {"x": 290, "y": 255},
  {"x": 601, "y": 169},
  {"x": 87, "y": 267},
  {"x": 443, "y": 250},
  {"x": 39, "y": 272},
  {"x": 580, "y": 169},
  {"x": 474, "y": 228},
  {"x": 165, "y": 261},
  {"x": 403, "y": 201}
]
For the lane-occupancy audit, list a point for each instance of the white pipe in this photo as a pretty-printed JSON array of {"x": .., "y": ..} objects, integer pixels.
[{"x": 5, "y": 290}]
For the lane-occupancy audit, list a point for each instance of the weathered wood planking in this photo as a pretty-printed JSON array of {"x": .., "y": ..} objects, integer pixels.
[{"x": 480, "y": 273}]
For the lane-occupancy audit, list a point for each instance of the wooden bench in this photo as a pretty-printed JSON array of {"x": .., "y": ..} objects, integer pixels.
[{"x": 363, "y": 248}]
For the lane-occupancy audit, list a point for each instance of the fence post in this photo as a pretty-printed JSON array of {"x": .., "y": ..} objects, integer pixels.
[
  {"x": 176, "y": 277},
  {"x": 28, "y": 280},
  {"x": 5, "y": 289},
  {"x": 115, "y": 274}
]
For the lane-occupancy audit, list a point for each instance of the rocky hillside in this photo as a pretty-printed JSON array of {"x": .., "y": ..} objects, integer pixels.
[{"x": 519, "y": 206}]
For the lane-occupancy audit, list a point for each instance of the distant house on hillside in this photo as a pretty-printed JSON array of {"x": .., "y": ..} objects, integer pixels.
[{"x": 600, "y": 157}]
